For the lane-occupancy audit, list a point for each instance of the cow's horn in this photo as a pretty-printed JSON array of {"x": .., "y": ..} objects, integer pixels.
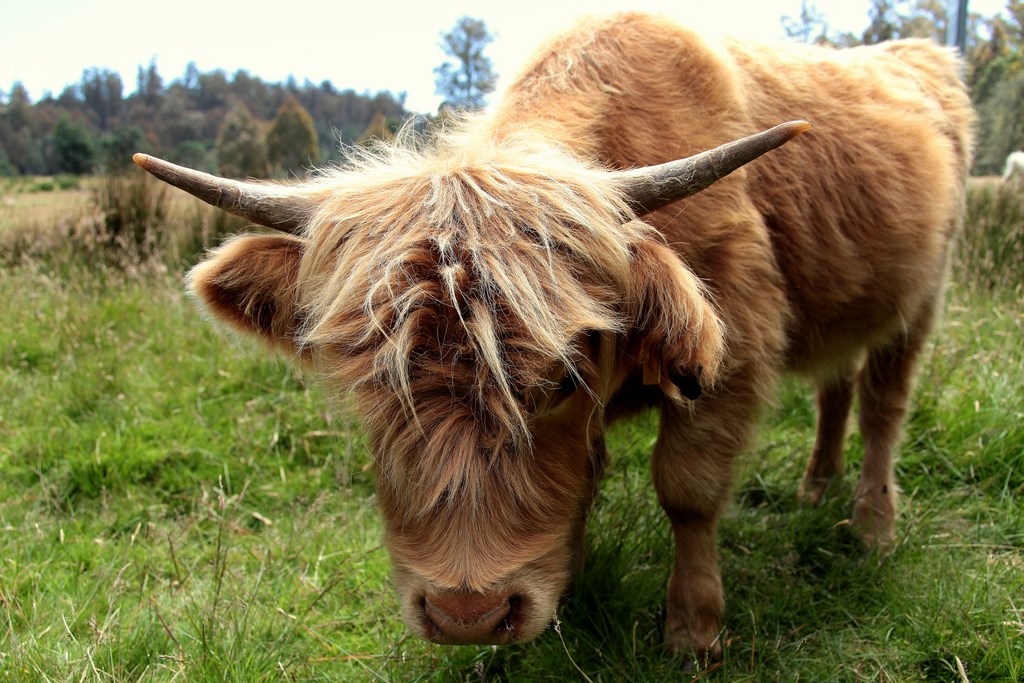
[
  {"x": 273, "y": 206},
  {"x": 652, "y": 187}
]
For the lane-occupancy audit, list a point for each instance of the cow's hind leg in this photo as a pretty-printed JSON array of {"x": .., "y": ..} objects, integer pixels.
[
  {"x": 886, "y": 381},
  {"x": 835, "y": 396}
]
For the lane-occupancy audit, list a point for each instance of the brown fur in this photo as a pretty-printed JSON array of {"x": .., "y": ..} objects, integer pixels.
[{"x": 491, "y": 304}]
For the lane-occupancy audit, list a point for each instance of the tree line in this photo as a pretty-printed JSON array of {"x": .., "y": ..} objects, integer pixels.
[
  {"x": 994, "y": 60},
  {"x": 242, "y": 126},
  {"x": 232, "y": 124}
]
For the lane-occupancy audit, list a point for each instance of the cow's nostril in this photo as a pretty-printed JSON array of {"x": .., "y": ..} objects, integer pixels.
[{"x": 510, "y": 624}]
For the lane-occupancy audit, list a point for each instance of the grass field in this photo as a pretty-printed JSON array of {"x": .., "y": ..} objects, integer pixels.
[{"x": 175, "y": 506}]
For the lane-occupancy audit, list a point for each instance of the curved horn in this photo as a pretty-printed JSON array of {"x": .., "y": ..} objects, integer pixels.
[
  {"x": 651, "y": 187},
  {"x": 273, "y": 206}
]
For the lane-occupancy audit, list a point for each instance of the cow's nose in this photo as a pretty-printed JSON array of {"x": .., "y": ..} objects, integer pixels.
[{"x": 466, "y": 618}]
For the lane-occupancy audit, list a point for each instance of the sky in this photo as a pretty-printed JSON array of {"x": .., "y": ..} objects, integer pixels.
[{"x": 46, "y": 44}]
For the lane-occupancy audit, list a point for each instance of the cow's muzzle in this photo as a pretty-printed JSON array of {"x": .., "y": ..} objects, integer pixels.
[{"x": 467, "y": 618}]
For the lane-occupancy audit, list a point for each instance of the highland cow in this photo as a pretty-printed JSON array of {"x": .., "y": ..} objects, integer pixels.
[{"x": 494, "y": 298}]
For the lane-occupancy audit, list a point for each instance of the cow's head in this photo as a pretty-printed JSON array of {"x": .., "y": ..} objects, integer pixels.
[{"x": 481, "y": 303}]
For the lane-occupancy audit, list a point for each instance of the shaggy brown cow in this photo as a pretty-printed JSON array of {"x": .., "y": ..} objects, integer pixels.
[{"x": 492, "y": 303}]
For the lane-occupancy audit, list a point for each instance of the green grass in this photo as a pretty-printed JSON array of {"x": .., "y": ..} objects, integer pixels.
[{"x": 175, "y": 506}]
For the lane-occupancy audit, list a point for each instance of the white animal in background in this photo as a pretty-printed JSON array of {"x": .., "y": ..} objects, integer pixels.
[{"x": 1014, "y": 167}]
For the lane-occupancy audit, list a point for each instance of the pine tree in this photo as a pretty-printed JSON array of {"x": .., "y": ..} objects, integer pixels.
[
  {"x": 292, "y": 143},
  {"x": 241, "y": 151},
  {"x": 380, "y": 128}
]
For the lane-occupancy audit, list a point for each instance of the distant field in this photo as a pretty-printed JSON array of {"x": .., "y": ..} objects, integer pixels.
[
  {"x": 41, "y": 219},
  {"x": 175, "y": 506},
  {"x": 23, "y": 208}
]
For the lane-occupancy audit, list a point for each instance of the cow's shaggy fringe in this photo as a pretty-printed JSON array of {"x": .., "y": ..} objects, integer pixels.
[{"x": 464, "y": 268}]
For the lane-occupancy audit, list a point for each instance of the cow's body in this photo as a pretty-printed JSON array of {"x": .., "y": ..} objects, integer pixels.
[
  {"x": 829, "y": 250},
  {"x": 492, "y": 312}
]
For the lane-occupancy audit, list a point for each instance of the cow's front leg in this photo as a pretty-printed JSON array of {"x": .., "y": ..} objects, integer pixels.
[
  {"x": 691, "y": 468},
  {"x": 693, "y": 621}
]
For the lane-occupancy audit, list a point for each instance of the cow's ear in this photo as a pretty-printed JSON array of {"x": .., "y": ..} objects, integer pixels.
[
  {"x": 679, "y": 339},
  {"x": 249, "y": 284}
]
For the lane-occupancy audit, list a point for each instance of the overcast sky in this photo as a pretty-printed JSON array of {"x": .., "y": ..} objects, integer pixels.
[{"x": 362, "y": 45}]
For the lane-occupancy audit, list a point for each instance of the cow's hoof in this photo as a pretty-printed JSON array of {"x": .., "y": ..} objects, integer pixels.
[
  {"x": 812, "y": 490},
  {"x": 874, "y": 515},
  {"x": 697, "y": 654}
]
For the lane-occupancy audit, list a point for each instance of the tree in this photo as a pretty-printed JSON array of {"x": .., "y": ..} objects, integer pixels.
[
  {"x": 213, "y": 90},
  {"x": 149, "y": 84},
  {"x": 882, "y": 24},
  {"x": 22, "y": 146},
  {"x": 809, "y": 27},
  {"x": 103, "y": 92},
  {"x": 380, "y": 128},
  {"x": 192, "y": 153},
  {"x": 891, "y": 19},
  {"x": 1001, "y": 125},
  {"x": 465, "y": 84},
  {"x": 241, "y": 151},
  {"x": 72, "y": 147},
  {"x": 6, "y": 167},
  {"x": 18, "y": 109},
  {"x": 190, "y": 81},
  {"x": 997, "y": 73},
  {"x": 178, "y": 119},
  {"x": 925, "y": 19},
  {"x": 120, "y": 145},
  {"x": 292, "y": 142},
  {"x": 987, "y": 62}
]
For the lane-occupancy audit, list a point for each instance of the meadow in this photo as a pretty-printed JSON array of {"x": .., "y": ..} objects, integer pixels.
[{"x": 176, "y": 506}]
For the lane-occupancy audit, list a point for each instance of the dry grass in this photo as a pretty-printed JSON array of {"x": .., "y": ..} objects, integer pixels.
[
  {"x": 122, "y": 219},
  {"x": 34, "y": 215}
]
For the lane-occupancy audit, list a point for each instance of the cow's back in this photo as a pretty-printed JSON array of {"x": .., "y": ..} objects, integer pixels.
[
  {"x": 861, "y": 211},
  {"x": 842, "y": 231}
]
